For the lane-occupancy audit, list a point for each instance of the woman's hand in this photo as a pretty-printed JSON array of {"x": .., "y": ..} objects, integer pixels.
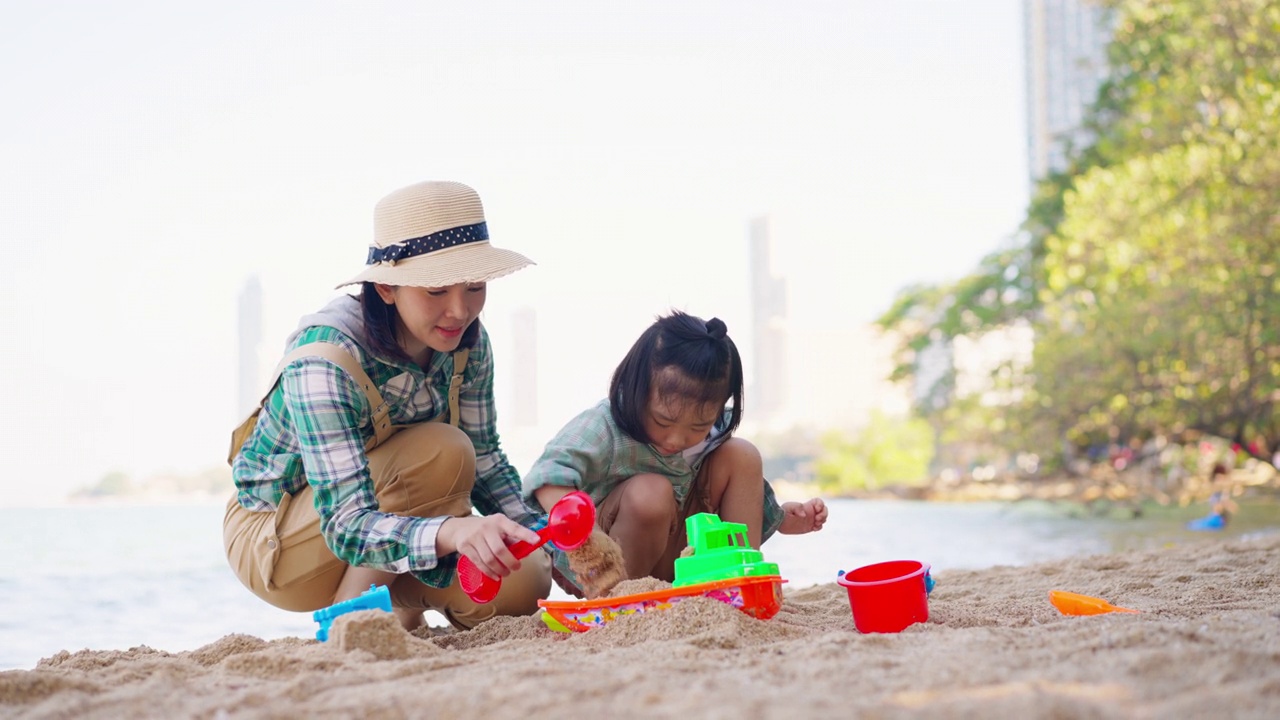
[
  {"x": 801, "y": 518},
  {"x": 485, "y": 541}
]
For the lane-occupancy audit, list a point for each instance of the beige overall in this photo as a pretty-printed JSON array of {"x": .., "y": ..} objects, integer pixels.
[{"x": 421, "y": 470}]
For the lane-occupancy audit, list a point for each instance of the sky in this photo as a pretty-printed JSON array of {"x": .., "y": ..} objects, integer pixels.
[{"x": 156, "y": 155}]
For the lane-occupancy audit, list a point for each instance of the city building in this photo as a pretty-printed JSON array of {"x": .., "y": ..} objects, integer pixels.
[
  {"x": 811, "y": 371},
  {"x": 524, "y": 364},
  {"x": 768, "y": 389},
  {"x": 842, "y": 375},
  {"x": 1066, "y": 64},
  {"x": 249, "y": 340},
  {"x": 1066, "y": 56}
]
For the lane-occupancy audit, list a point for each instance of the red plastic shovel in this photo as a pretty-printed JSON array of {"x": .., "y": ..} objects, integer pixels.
[{"x": 568, "y": 526}]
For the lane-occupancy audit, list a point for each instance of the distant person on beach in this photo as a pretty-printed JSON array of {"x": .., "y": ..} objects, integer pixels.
[
  {"x": 661, "y": 448},
  {"x": 370, "y": 452},
  {"x": 1220, "y": 502}
]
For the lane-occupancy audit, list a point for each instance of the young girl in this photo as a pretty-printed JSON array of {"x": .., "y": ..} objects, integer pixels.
[{"x": 660, "y": 449}]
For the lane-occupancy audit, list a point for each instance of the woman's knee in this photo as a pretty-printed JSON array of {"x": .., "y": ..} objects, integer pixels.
[{"x": 426, "y": 469}]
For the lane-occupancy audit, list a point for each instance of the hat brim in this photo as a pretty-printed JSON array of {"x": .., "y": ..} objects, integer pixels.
[{"x": 471, "y": 263}]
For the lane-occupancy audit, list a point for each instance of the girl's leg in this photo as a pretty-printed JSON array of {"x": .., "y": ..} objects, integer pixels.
[
  {"x": 730, "y": 484},
  {"x": 640, "y": 515},
  {"x": 733, "y": 478}
]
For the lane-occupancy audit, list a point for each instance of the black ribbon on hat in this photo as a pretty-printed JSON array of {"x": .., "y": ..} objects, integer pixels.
[{"x": 428, "y": 243}]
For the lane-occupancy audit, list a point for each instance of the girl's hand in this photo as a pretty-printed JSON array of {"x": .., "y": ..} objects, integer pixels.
[
  {"x": 485, "y": 541},
  {"x": 598, "y": 563},
  {"x": 801, "y": 518}
]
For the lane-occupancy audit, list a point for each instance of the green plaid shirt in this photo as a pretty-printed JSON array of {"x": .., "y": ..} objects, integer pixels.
[
  {"x": 592, "y": 454},
  {"x": 313, "y": 428}
]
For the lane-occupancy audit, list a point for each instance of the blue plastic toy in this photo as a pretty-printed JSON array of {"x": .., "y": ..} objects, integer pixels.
[
  {"x": 377, "y": 597},
  {"x": 1209, "y": 522}
]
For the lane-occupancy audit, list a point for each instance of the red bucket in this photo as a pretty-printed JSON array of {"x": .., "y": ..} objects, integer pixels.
[{"x": 888, "y": 596}]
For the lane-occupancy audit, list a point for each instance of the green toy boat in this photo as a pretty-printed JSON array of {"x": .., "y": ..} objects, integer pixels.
[
  {"x": 720, "y": 552},
  {"x": 723, "y": 567}
]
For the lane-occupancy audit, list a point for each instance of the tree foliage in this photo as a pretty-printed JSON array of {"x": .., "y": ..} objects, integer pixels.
[
  {"x": 888, "y": 451},
  {"x": 111, "y": 484},
  {"x": 1149, "y": 269}
]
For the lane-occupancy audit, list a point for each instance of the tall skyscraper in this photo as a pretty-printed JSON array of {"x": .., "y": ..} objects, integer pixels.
[
  {"x": 249, "y": 334},
  {"x": 1066, "y": 46},
  {"x": 768, "y": 323},
  {"x": 524, "y": 340}
]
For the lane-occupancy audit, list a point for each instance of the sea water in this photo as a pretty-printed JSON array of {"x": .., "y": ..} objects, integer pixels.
[{"x": 112, "y": 577}]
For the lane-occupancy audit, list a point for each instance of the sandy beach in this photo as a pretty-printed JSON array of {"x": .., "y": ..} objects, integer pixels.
[{"x": 1206, "y": 644}]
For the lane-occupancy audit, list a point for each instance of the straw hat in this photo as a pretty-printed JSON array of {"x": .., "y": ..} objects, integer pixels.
[{"x": 433, "y": 234}]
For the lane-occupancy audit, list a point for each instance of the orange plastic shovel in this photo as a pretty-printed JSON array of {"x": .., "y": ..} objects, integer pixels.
[{"x": 1069, "y": 603}]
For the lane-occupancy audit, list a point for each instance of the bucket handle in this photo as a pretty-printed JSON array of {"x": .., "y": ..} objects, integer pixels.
[{"x": 928, "y": 580}]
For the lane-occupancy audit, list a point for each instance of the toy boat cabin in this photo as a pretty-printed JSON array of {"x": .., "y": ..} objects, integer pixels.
[{"x": 720, "y": 552}]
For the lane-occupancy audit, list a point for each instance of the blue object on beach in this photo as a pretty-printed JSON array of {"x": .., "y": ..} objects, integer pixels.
[
  {"x": 1209, "y": 522},
  {"x": 377, "y": 597}
]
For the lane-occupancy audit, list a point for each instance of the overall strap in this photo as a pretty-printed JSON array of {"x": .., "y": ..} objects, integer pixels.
[
  {"x": 380, "y": 412},
  {"x": 455, "y": 383}
]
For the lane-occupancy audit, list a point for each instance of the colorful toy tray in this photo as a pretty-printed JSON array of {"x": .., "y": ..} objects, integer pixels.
[{"x": 759, "y": 597}]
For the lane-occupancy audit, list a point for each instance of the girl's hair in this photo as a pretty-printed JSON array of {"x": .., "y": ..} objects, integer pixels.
[
  {"x": 707, "y": 369},
  {"x": 380, "y": 325}
]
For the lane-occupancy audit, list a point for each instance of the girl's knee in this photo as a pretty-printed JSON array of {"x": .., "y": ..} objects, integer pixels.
[
  {"x": 736, "y": 463},
  {"x": 649, "y": 497},
  {"x": 738, "y": 453},
  {"x": 735, "y": 459}
]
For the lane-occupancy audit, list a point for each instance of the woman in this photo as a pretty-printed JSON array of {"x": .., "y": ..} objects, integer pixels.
[{"x": 370, "y": 452}]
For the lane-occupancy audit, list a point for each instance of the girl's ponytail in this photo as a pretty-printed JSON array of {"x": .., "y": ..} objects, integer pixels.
[{"x": 716, "y": 328}]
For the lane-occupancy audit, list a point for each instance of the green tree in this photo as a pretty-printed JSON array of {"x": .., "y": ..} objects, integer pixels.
[
  {"x": 1160, "y": 278},
  {"x": 1148, "y": 269},
  {"x": 112, "y": 484},
  {"x": 888, "y": 451}
]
